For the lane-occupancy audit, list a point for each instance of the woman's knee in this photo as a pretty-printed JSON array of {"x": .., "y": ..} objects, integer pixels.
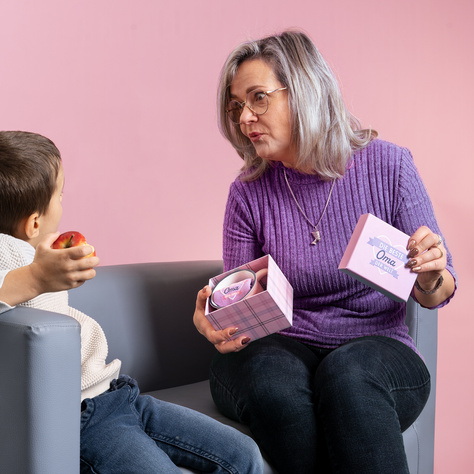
[
  {"x": 344, "y": 366},
  {"x": 276, "y": 380},
  {"x": 372, "y": 368}
]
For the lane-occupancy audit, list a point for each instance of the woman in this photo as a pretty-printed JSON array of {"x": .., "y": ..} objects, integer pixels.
[{"x": 335, "y": 391}]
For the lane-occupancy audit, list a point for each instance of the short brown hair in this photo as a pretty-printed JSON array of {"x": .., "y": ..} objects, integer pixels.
[{"x": 29, "y": 167}]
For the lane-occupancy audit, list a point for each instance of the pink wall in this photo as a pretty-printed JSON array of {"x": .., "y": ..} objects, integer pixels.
[{"x": 127, "y": 91}]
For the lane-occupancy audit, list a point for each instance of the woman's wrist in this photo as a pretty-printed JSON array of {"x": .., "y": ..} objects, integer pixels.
[
  {"x": 432, "y": 290},
  {"x": 443, "y": 293}
]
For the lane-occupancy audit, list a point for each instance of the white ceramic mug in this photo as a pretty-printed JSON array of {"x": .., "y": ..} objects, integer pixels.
[{"x": 236, "y": 286}]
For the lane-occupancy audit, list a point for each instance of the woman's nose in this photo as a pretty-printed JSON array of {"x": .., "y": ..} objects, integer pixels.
[{"x": 247, "y": 115}]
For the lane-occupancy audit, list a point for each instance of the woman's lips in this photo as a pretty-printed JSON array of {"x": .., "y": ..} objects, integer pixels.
[{"x": 255, "y": 136}]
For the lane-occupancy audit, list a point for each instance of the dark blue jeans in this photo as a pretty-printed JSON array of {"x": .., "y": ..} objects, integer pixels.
[
  {"x": 123, "y": 432},
  {"x": 325, "y": 411}
]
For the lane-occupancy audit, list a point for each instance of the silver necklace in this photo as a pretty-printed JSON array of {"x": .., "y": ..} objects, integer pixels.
[{"x": 315, "y": 233}]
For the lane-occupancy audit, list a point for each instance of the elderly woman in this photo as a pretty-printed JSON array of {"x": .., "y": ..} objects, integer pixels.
[{"x": 334, "y": 392}]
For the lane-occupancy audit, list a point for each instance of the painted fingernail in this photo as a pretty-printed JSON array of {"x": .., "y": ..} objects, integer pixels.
[
  {"x": 412, "y": 263},
  {"x": 416, "y": 269},
  {"x": 245, "y": 340},
  {"x": 411, "y": 244},
  {"x": 233, "y": 331},
  {"x": 412, "y": 253}
]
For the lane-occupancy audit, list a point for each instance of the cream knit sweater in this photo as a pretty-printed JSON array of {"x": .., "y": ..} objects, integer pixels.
[{"x": 96, "y": 375}]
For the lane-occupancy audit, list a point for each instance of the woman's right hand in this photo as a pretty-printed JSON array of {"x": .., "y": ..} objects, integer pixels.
[
  {"x": 221, "y": 339},
  {"x": 61, "y": 269}
]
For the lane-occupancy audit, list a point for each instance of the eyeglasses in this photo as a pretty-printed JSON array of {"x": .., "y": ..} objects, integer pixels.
[{"x": 256, "y": 101}]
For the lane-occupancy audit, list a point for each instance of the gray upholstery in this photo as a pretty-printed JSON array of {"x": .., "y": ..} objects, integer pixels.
[
  {"x": 40, "y": 370},
  {"x": 146, "y": 312}
]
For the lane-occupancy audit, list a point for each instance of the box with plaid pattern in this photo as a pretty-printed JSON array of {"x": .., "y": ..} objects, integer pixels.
[{"x": 262, "y": 313}]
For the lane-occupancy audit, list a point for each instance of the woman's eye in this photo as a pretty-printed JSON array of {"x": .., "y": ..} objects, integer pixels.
[
  {"x": 234, "y": 105},
  {"x": 259, "y": 96}
]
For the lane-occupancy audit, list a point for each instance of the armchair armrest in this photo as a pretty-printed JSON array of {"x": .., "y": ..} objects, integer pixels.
[
  {"x": 419, "y": 438},
  {"x": 40, "y": 372}
]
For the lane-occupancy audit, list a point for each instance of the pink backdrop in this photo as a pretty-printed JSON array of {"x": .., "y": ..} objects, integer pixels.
[{"x": 127, "y": 91}]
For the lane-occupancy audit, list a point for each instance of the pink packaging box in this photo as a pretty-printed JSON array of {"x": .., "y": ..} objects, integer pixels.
[
  {"x": 266, "y": 312},
  {"x": 376, "y": 255}
]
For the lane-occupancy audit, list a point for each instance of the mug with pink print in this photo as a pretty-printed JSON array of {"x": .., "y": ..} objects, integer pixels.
[{"x": 237, "y": 286}]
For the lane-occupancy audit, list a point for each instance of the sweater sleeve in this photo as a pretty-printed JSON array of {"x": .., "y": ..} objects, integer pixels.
[
  {"x": 3, "y": 306},
  {"x": 11, "y": 257},
  {"x": 240, "y": 242},
  {"x": 414, "y": 208}
]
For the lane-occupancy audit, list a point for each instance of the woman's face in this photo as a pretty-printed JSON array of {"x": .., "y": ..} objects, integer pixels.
[{"x": 269, "y": 133}]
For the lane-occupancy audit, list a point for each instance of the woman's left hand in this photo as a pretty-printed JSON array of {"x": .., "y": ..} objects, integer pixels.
[
  {"x": 427, "y": 258},
  {"x": 427, "y": 255}
]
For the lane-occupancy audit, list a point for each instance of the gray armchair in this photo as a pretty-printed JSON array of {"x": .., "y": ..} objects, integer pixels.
[{"x": 146, "y": 313}]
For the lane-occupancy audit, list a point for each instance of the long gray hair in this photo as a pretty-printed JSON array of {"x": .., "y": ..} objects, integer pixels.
[{"x": 324, "y": 133}]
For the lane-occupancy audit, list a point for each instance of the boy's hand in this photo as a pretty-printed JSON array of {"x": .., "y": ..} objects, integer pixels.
[
  {"x": 56, "y": 270},
  {"x": 51, "y": 270}
]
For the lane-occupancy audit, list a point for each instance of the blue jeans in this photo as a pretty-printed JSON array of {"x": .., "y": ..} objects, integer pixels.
[
  {"x": 125, "y": 432},
  {"x": 321, "y": 410}
]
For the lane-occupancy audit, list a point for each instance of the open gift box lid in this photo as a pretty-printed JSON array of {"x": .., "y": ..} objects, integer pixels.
[{"x": 377, "y": 255}]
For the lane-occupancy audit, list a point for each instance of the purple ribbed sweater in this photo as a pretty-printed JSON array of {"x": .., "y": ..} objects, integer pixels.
[{"x": 330, "y": 307}]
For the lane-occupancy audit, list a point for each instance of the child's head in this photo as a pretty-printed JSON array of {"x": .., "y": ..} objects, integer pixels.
[{"x": 30, "y": 175}]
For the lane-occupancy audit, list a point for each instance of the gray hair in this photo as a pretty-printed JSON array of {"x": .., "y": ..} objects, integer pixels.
[{"x": 324, "y": 133}]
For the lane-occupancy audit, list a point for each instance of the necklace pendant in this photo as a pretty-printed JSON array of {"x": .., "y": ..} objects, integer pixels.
[{"x": 316, "y": 236}]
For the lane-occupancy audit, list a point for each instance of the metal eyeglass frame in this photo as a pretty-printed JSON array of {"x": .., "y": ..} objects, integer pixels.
[{"x": 243, "y": 104}]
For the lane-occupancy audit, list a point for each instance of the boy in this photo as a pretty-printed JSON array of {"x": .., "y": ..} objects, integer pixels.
[{"x": 158, "y": 435}]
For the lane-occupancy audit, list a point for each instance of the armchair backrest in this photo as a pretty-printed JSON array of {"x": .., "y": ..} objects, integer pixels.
[{"x": 146, "y": 313}]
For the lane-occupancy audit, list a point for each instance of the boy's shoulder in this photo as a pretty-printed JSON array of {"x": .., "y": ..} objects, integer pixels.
[{"x": 14, "y": 253}]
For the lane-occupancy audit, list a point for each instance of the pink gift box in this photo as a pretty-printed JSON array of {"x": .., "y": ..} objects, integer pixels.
[
  {"x": 256, "y": 316},
  {"x": 376, "y": 255}
]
